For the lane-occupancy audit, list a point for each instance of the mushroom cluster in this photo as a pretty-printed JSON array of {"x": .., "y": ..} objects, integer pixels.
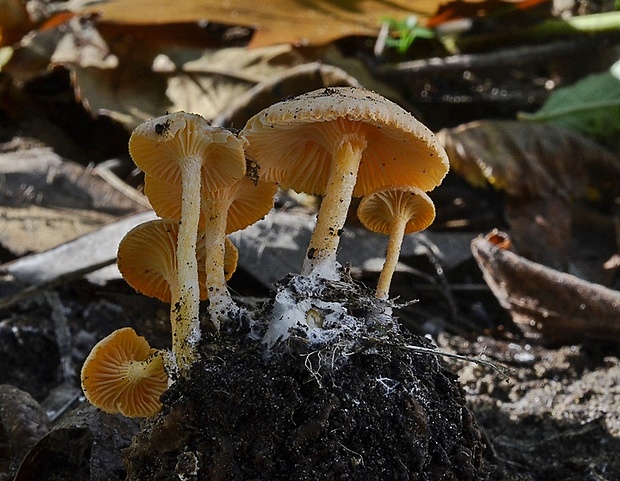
[
  {"x": 337, "y": 143},
  {"x": 184, "y": 150},
  {"x": 195, "y": 178}
]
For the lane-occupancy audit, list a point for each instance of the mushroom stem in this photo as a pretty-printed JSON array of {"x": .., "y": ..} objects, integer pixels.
[
  {"x": 332, "y": 215},
  {"x": 215, "y": 215},
  {"x": 397, "y": 232},
  {"x": 151, "y": 366},
  {"x": 184, "y": 309}
]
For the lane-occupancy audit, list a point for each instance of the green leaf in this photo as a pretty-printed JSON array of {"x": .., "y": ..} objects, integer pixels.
[{"x": 590, "y": 106}]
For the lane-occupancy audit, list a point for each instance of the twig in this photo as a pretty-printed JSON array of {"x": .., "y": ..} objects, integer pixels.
[
  {"x": 503, "y": 371},
  {"x": 63, "y": 334},
  {"x": 115, "y": 182},
  {"x": 443, "y": 285},
  {"x": 509, "y": 57}
]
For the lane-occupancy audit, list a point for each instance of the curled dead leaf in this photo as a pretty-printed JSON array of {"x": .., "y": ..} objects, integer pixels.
[
  {"x": 547, "y": 303},
  {"x": 551, "y": 177}
]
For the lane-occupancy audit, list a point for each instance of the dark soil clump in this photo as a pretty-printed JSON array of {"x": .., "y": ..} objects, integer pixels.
[{"x": 367, "y": 409}]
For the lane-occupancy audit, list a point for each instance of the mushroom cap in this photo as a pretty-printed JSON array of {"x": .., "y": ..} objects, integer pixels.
[
  {"x": 378, "y": 211},
  {"x": 160, "y": 147},
  {"x": 249, "y": 201},
  {"x": 122, "y": 374},
  {"x": 293, "y": 141},
  {"x": 147, "y": 258}
]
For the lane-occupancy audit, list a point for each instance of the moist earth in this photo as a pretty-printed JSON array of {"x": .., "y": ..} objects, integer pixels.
[{"x": 367, "y": 407}]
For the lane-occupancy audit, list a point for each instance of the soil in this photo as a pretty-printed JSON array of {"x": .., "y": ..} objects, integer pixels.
[
  {"x": 350, "y": 408},
  {"x": 369, "y": 407}
]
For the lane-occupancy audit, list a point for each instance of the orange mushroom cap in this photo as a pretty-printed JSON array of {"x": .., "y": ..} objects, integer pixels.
[
  {"x": 122, "y": 374},
  {"x": 378, "y": 211},
  {"x": 395, "y": 212},
  {"x": 147, "y": 259},
  {"x": 161, "y": 146},
  {"x": 293, "y": 141},
  {"x": 249, "y": 201}
]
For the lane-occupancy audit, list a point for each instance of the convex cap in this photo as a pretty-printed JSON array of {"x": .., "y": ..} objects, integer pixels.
[
  {"x": 395, "y": 212},
  {"x": 381, "y": 210},
  {"x": 293, "y": 141},
  {"x": 162, "y": 146}
]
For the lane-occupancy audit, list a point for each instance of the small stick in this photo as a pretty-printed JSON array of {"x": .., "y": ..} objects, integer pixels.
[{"x": 498, "y": 368}]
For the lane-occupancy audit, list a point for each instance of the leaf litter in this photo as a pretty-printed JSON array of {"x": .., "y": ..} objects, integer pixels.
[{"x": 553, "y": 419}]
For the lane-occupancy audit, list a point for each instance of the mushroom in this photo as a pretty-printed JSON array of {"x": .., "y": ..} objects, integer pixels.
[
  {"x": 184, "y": 149},
  {"x": 224, "y": 211},
  {"x": 122, "y": 374},
  {"x": 395, "y": 212},
  {"x": 338, "y": 143},
  {"x": 148, "y": 262}
]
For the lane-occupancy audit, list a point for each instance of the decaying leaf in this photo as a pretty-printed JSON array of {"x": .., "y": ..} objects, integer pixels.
[
  {"x": 133, "y": 83},
  {"x": 87, "y": 444},
  {"x": 14, "y": 21},
  {"x": 274, "y": 21},
  {"x": 46, "y": 201},
  {"x": 22, "y": 424},
  {"x": 531, "y": 160},
  {"x": 294, "y": 81},
  {"x": 79, "y": 256},
  {"x": 208, "y": 81},
  {"x": 544, "y": 302},
  {"x": 545, "y": 172}
]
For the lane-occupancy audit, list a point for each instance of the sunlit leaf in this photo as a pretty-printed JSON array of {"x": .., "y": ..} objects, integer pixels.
[
  {"x": 274, "y": 21},
  {"x": 590, "y": 106}
]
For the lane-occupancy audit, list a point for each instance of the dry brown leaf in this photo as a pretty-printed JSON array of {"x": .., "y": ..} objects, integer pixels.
[
  {"x": 294, "y": 81},
  {"x": 200, "y": 81},
  {"x": 46, "y": 201},
  {"x": 74, "y": 42},
  {"x": 542, "y": 301},
  {"x": 274, "y": 21},
  {"x": 92, "y": 249},
  {"x": 543, "y": 170},
  {"x": 134, "y": 85},
  {"x": 35, "y": 229},
  {"x": 531, "y": 160},
  {"x": 208, "y": 81}
]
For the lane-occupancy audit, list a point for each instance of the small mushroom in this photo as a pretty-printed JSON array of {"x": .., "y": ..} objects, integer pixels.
[
  {"x": 184, "y": 149},
  {"x": 223, "y": 212},
  {"x": 338, "y": 143},
  {"x": 122, "y": 374},
  {"x": 148, "y": 262},
  {"x": 395, "y": 212}
]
